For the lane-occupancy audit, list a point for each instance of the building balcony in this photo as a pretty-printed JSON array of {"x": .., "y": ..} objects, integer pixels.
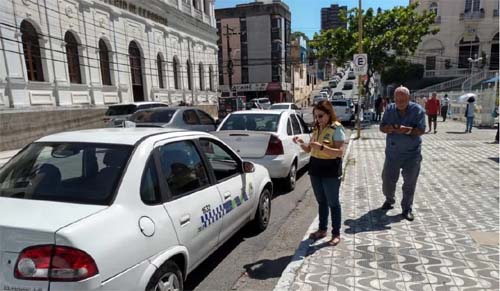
[{"x": 473, "y": 15}]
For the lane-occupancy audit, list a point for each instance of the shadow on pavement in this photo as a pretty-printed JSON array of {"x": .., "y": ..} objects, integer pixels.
[
  {"x": 456, "y": 132},
  {"x": 497, "y": 160},
  {"x": 204, "y": 269},
  {"x": 266, "y": 269},
  {"x": 373, "y": 220}
]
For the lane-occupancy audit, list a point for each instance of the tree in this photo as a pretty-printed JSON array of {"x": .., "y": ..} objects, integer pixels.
[
  {"x": 401, "y": 71},
  {"x": 296, "y": 35},
  {"x": 387, "y": 35}
]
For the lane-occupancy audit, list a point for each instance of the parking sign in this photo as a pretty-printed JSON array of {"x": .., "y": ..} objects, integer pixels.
[{"x": 360, "y": 64}]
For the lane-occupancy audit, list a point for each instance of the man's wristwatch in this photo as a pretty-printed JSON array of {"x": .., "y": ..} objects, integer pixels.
[
  {"x": 322, "y": 147},
  {"x": 409, "y": 131}
]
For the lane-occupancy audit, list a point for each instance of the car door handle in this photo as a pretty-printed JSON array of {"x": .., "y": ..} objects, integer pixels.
[
  {"x": 185, "y": 220},
  {"x": 227, "y": 195}
]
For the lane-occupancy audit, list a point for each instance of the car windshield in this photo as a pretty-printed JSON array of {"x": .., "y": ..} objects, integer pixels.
[
  {"x": 280, "y": 106},
  {"x": 153, "y": 116},
  {"x": 65, "y": 172},
  {"x": 256, "y": 122},
  {"x": 121, "y": 109},
  {"x": 263, "y": 100},
  {"x": 339, "y": 103}
]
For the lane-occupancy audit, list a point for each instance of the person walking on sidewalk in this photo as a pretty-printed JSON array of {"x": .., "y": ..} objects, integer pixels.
[
  {"x": 444, "y": 107},
  {"x": 379, "y": 108},
  {"x": 404, "y": 123},
  {"x": 325, "y": 167},
  {"x": 432, "y": 109},
  {"x": 469, "y": 114}
]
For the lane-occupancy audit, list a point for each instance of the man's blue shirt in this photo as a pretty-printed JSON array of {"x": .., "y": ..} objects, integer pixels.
[{"x": 403, "y": 145}]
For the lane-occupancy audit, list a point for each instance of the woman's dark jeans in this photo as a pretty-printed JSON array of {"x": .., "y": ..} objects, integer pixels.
[{"x": 326, "y": 190}]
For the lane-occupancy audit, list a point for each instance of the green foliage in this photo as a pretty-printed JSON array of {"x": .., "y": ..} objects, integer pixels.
[
  {"x": 387, "y": 35},
  {"x": 402, "y": 71},
  {"x": 297, "y": 34}
]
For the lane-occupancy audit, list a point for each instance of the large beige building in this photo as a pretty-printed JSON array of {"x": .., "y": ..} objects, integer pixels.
[{"x": 468, "y": 31}]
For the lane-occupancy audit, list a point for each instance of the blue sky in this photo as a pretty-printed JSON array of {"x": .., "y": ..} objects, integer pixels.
[{"x": 306, "y": 14}]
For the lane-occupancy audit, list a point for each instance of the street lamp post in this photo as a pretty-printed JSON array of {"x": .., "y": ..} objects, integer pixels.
[{"x": 472, "y": 63}]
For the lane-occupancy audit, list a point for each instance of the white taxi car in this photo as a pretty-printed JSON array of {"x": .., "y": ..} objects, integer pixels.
[
  {"x": 265, "y": 137},
  {"x": 122, "y": 209}
]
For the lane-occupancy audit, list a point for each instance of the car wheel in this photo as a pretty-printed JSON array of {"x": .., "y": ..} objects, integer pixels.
[
  {"x": 167, "y": 277},
  {"x": 263, "y": 214},
  {"x": 291, "y": 180}
]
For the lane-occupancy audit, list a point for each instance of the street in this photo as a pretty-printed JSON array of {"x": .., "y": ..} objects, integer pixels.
[{"x": 249, "y": 262}]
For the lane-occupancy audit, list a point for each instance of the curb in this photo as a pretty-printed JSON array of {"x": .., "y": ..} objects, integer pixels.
[{"x": 288, "y": 276}]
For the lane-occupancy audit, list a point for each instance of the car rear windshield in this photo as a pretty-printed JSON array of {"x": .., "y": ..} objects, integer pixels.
[
  {"x": 121, "y": 109},
  {"x": 256, "y": 122},
  {"x": 263, "y": 100},
  {"x": 339, "y": 103},
  {"x": 280, "y": 106},
  {"x": 153, "y": 116},
  {"x": 65, "y": 172}
]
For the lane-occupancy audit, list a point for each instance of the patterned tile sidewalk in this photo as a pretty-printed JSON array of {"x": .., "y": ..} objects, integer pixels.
[{"x": 451, "y": 245}]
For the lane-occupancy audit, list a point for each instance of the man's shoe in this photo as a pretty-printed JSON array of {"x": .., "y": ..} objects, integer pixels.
[
  {"x": 408, "y": 215},
  {"x": 387, "y": 206}
]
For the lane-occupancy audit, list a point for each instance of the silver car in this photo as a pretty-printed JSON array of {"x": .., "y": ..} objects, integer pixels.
[{"x": 189, "y": 118}]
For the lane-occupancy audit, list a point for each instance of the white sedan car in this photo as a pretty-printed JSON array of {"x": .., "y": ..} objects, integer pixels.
[
  {"x": 265, "y": 137},
  {"x": 287, "y": 106},
  {"x": 122, "y": 209}
]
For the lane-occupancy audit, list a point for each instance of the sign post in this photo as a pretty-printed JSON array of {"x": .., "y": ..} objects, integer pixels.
[{"x": 360, "y": 64}]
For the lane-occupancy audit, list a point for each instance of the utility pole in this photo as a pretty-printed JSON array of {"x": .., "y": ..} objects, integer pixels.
[
  {"x": 360, "y": 82},
  {"x": 230, "y": 63}
]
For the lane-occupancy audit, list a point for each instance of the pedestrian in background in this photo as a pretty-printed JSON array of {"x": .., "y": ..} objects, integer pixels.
[
  {"x": 325, "y": 167},
  {"x": 469, "y": 113},
  {"x": 379, "y": 108},
  {"x": 445, "y": 104},
  {"x": 404, "y": 123},
  {"x": 432, "y": 109}
]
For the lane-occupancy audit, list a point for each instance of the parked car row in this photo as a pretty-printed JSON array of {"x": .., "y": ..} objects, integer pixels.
[
  {"x": 123, "y": 209},
  {"x": 140, "y": 208}
]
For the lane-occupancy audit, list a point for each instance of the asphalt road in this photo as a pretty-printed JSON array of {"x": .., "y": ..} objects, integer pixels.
[{"x": 250, "y": 261}]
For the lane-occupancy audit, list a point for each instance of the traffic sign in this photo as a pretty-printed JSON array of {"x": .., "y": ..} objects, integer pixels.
[{"x": 360, "y": 64}]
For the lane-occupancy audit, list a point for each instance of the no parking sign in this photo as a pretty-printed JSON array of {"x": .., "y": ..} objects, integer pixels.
[{"x": 360, "y": 64}]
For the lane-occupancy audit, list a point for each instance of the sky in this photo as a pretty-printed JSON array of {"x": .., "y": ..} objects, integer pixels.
[{"x": 306, "y": 14}]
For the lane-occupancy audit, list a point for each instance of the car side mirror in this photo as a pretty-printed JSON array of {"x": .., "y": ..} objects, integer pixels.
[
  {"x": 218, "y": 122},
  {"x": 248, "y": 167}
]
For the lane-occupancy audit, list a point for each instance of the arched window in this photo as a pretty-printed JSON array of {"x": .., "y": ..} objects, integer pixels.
[
  {"x": 467, "y": 49},
  {"x": 189, "y": 75},
  {"x": 433, "y": 8},
  {"x": 73, "y": 58},
  {"x": 211, "y": 78},
  {"x": 494, "y": 60},
  {"x": 159, "y": 66},
  {"x": 202, "y": 77},
  {"x": 176, "y": 73},
  {"x": 104, "y": 60},
  {"x": 31, "y": 48}
]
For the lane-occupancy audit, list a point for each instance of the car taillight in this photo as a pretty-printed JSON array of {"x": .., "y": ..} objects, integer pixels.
[
  {"x": 54, "y": 263},
  {"x": 275, "y": 146},
  {"x": 106, "y": 119}
]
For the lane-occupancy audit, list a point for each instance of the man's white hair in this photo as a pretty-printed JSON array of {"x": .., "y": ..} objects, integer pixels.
[{"x": 403, "y": 90}]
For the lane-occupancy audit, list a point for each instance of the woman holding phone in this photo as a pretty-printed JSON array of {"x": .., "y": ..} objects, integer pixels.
[{"x": 325, "y": 168}]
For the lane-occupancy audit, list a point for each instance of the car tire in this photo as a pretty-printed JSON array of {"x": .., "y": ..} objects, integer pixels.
[
  {"x": 263, "y": 213},
  {"x": 169, "y": 276},
  {"x": 291, "y": 179}
]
